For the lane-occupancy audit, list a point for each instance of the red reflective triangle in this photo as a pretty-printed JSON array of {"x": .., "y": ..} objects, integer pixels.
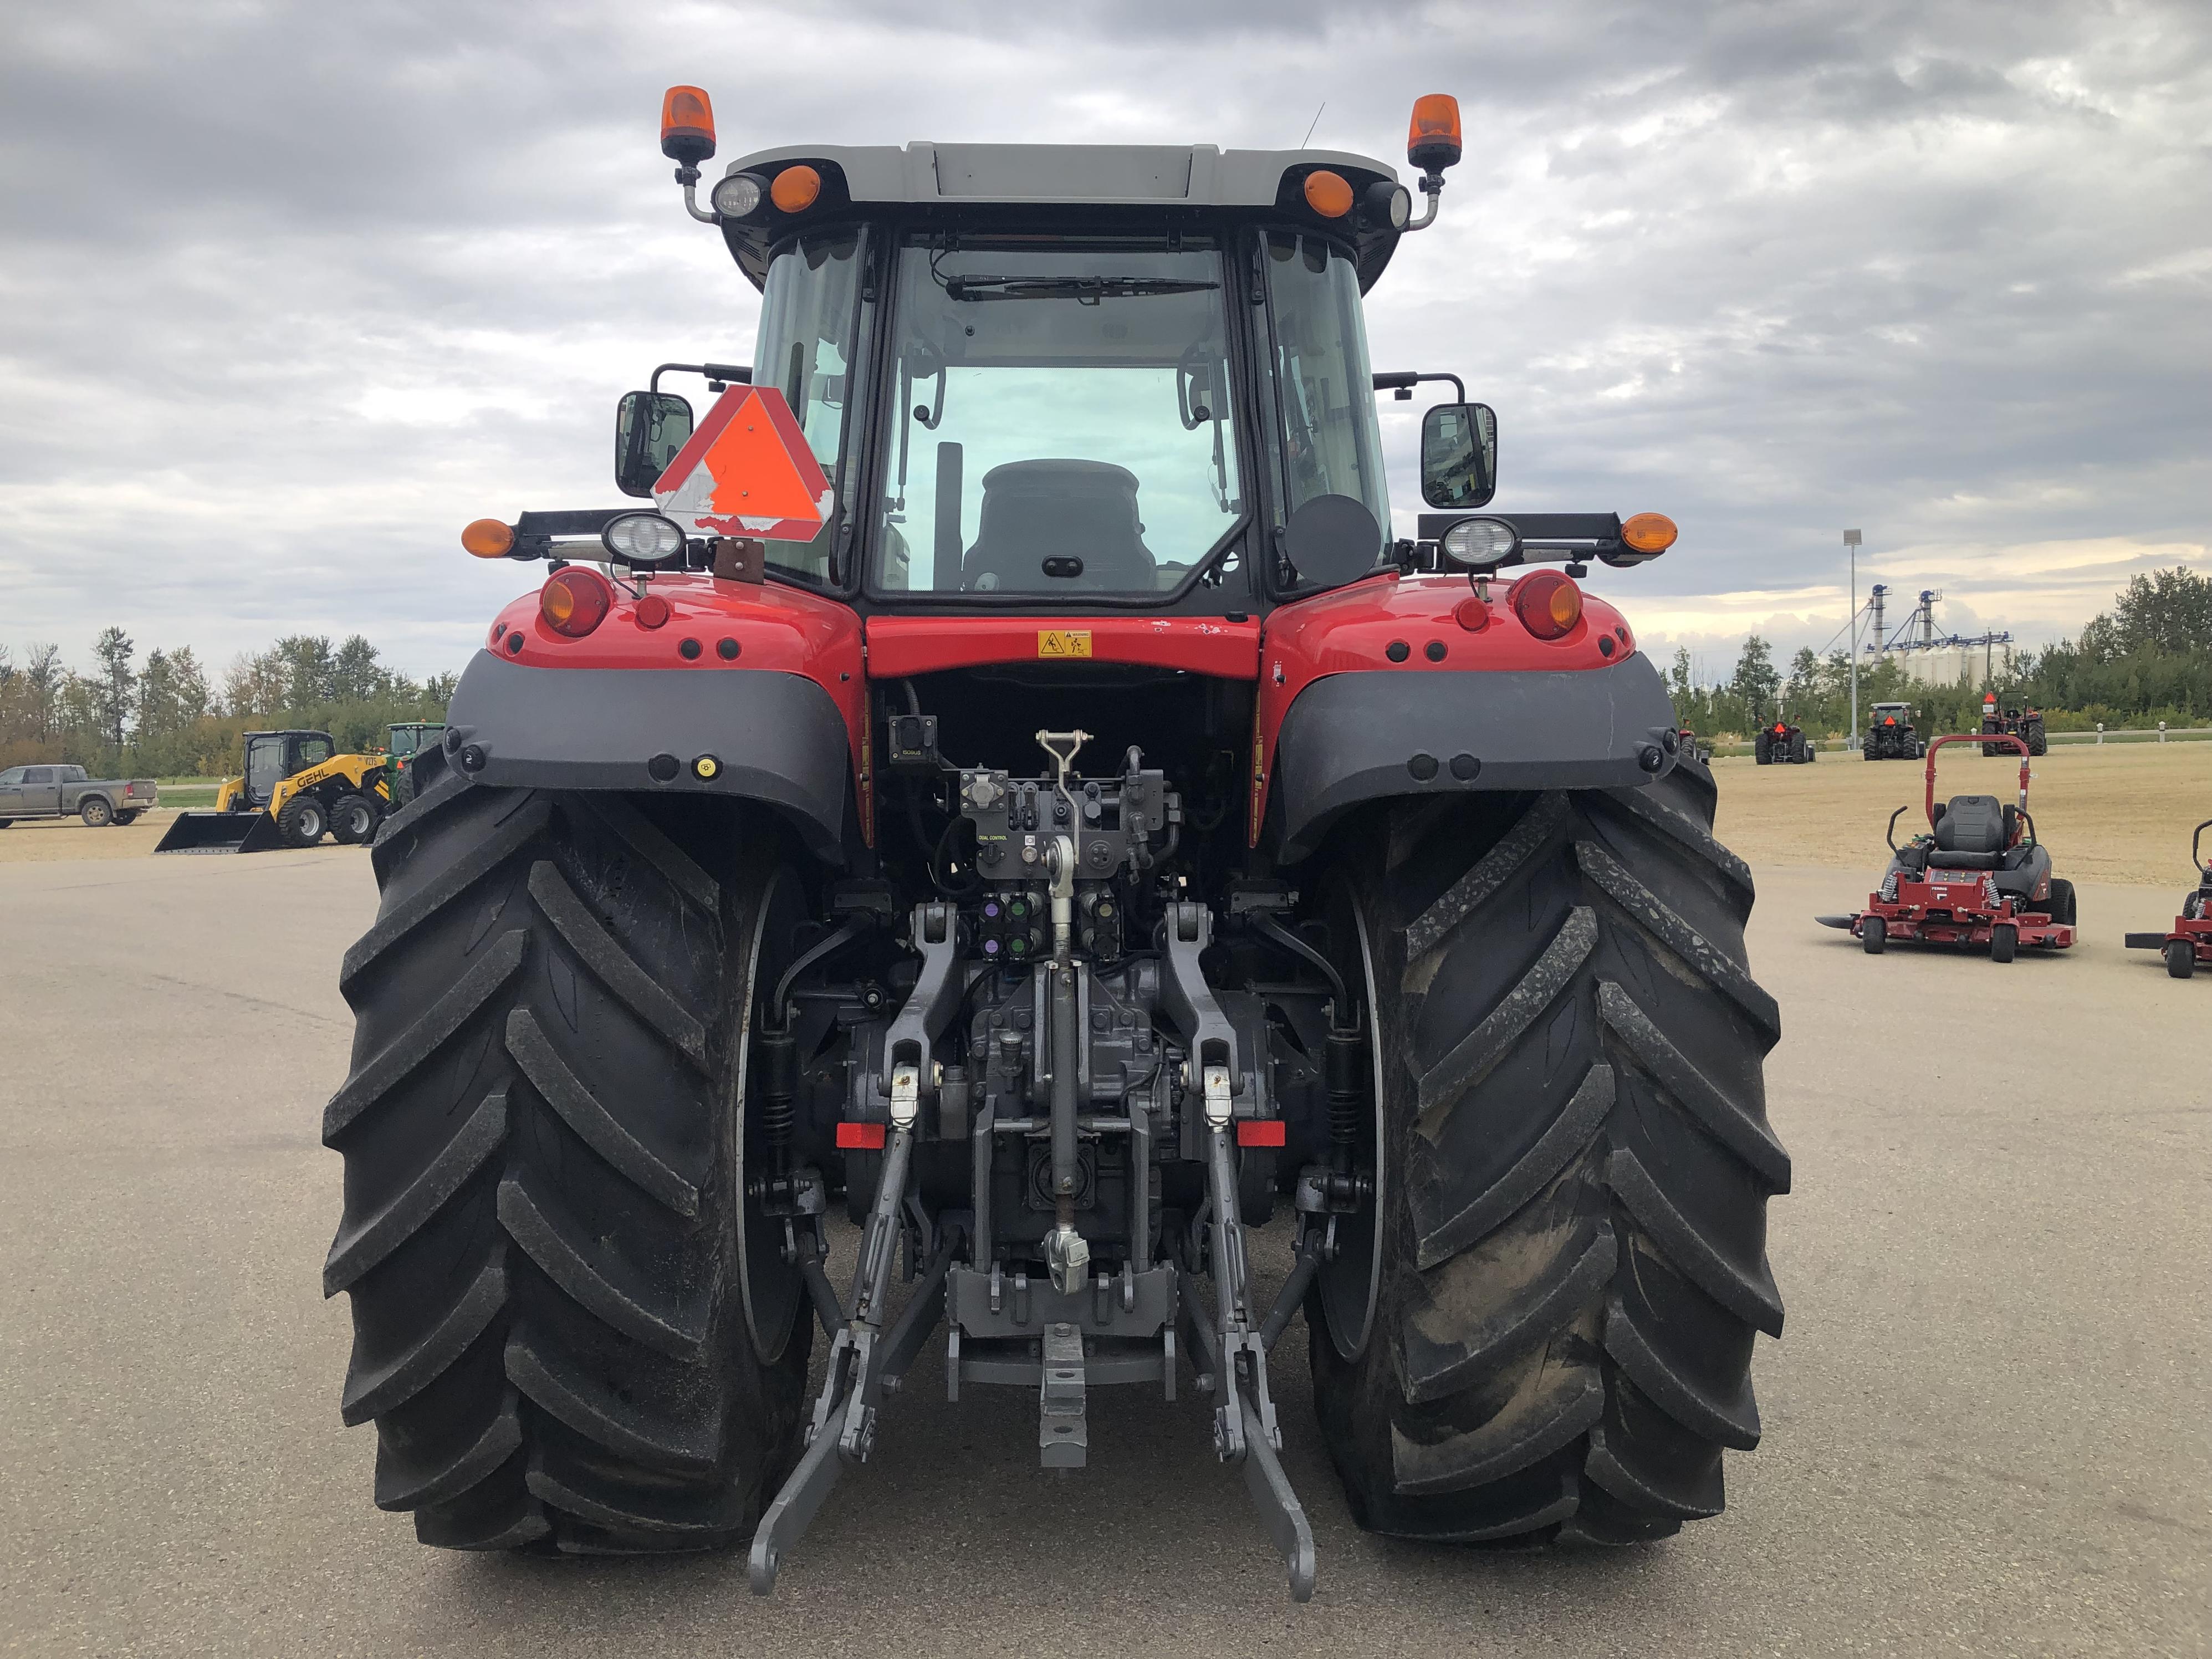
[{"x": 748, "y": 470}]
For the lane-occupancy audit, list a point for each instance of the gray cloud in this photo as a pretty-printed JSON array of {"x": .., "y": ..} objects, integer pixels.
[{"x": 290, "y": 292}]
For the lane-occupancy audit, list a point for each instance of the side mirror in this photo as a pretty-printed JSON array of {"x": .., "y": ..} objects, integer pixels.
[
  {"x": 1458, "y": 455},
  {"x": 650, "y": 426}
]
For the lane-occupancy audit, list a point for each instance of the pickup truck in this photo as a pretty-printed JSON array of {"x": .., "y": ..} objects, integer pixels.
[{"x": 57, "y": 791}]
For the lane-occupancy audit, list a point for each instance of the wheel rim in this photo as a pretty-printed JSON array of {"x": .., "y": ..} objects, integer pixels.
[
  {"x": 357, "y": 823},
  {"x": 311, "y": 824},
  {"x": 774, "y": 1295},
  {"x": 1351, "y": 1285}
]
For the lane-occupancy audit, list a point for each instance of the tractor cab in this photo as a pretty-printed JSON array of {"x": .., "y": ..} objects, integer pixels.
[
  {"x": 273, "y": 757},
  {"x": 410, "y": 738}
]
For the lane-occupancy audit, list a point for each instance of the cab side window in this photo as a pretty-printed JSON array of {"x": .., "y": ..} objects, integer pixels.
[{"x": 12, "y": 777}]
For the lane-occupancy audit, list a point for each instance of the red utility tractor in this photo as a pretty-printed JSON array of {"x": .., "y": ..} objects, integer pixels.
[
  {"x": 2190, "y": 941},
  {"x": 1004, "y": 789},
  {"x": 1978, "y": 876},
  {"x": 1782, "y": 745},
  {"x": 2025, "y": 724}
]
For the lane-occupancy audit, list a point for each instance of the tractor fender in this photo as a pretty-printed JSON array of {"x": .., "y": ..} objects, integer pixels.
[
  {"x": 1353, "y": 738},
  {"x": 775, "y": 737}
]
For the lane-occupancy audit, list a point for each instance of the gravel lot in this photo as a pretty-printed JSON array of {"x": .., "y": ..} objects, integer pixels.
[{"x": 1988, "y": 1426}]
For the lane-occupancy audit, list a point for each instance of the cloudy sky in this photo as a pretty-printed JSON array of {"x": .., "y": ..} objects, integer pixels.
[{"x": 289, "y": 292}]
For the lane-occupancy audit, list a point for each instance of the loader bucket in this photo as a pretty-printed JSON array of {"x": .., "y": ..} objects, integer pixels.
[{"x": 221, "y": 832}]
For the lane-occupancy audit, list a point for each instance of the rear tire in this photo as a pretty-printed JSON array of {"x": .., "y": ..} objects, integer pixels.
[
  {"x": 1874, "y": 934},
  {"x": 96, "y": 813},
  {"x": 541, "y": 1232},
  {"x": 1573, "y": 1225},
  {"x": 2004, "y": 942},
  {"x": 2180, "y": 959},
  {"x": 353, "y": 820},
  {"x": 302, "y": 821},
  {"x": 2062, "y": 901}
]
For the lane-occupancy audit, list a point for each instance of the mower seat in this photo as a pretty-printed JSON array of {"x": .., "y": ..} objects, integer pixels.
[
  {"x": 1082, "y": 511},
  {"x": 1972, "y": 832}
]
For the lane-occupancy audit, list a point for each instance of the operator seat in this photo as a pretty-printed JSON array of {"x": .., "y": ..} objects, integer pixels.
[
  {"x": 1053, "y": 509},
  {"x": 1976, "y": 832}
]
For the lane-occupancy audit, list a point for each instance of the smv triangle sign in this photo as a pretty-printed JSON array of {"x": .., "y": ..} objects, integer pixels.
[{"x": 747, "y": 470}]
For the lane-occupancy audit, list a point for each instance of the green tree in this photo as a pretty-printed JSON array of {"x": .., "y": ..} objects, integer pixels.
[
  {"x": 1756, "y": 683},
  {"x": 355, "y": 674},
  {"x": 310, "y": 669},
  {"x": 115, "y": 681}
]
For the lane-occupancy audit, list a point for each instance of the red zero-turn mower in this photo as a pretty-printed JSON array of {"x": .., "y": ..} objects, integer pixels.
[
  {"x": 1980, "y": 876},
  {"x": 2190, "y": 941}
]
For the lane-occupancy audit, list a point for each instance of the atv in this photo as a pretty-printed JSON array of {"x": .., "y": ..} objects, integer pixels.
[
  {"x": 1001, "y": 799},
  {"x": 1890, "y": 734},
  {"x": 1979, "y": 877},
  {"x": 1782, "y": 745},
  {"x": 2190, "y": 940}
]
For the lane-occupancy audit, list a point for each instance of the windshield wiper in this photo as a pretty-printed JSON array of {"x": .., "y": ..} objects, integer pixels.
[{"x": 1083, "y": 290}]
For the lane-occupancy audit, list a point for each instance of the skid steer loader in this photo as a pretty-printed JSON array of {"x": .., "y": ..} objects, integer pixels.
[
  {"x": 1006, "y": 788},
  {"x": 295, "y": 789}
]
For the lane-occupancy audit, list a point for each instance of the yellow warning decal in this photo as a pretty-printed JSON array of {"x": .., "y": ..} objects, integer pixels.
[{"x": 1063, "y": 642}]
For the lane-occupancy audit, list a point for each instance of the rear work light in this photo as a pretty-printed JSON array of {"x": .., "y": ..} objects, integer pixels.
[
  {"x": 642, "y": 538},
  {"x": 575, "y": 602},
  {"x": 487, "y": 538},
  {"x": 1480, "y": 543},
  {"x": 738, "y": 196},
  {"x": 1548, "y": 604}
]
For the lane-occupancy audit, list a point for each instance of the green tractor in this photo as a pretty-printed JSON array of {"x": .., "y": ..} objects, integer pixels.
[{"x": 405, "y": 743}]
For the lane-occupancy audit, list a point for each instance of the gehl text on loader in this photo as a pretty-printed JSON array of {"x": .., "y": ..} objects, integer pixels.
[{"x": 1006, "y": 783}]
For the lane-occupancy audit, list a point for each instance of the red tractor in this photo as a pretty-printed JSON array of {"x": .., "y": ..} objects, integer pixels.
[
  {"x": 1979, "y": 877},
  {"x": 2025, "y": 724},
  {"x": 1782, "y": 745},
  {"x": 1008, "y": 792},
  {"x": 2190, "y": 941}
]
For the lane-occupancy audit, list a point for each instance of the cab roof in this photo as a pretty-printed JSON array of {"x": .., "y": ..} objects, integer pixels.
[{"x": 1023, "y": 184}]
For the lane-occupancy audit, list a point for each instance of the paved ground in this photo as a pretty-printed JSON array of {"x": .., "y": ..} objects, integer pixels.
[{"x": 1987, "y": 1425}]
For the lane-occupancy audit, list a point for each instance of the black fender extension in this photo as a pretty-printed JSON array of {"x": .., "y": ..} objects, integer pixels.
[
  {"x": 1375, "y": 735},
  {"x": 775, "y": 737}
]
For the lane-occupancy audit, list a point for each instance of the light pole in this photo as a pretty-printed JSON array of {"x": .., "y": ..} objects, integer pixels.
[{"x": 1851, "y": 541}]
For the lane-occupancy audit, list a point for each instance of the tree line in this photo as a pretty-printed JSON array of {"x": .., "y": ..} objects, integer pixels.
[
  {"x": 2146, "y": 659},
  {"x": 164, "y": 717}
]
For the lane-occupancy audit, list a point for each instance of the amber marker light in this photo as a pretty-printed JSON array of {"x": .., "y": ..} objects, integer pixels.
[
  {"x": 1328, "y": 194},
  {"x": 1548, "y": 604},
  {"x": 487, "y": 538},
  {"x": 575, "y": 602},
  {"x": 1432, "y": 141},
  {"x": 687, "y": 126},
  {"x": 795, "y": 189},
  {"x": 1649, "y": 533}
]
